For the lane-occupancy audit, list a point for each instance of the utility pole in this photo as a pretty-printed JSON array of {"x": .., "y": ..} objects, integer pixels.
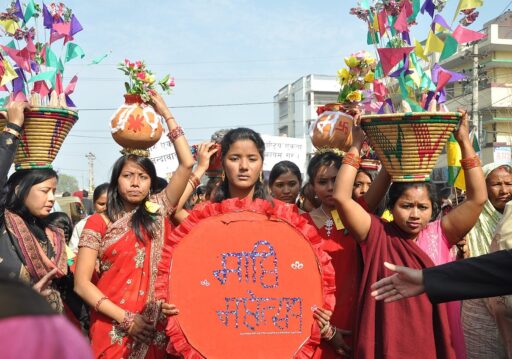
[
  {"x": 91, "y": 157},
  {"x": 474, "y": 111}
]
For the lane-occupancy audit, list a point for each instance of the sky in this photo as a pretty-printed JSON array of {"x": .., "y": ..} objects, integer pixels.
[{"x": 229, "y": 58}]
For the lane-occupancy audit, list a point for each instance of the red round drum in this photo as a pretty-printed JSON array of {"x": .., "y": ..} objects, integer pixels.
[{"x": 246, "y": 277}]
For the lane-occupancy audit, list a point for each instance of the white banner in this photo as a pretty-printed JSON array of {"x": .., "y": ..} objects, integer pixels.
[
  {"x": 164, "y": 157},
  {"x": 277, "y": 149}
]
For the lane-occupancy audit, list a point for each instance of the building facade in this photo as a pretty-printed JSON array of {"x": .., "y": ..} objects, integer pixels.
[
  {"x": 295, "y": 105},
  {"x": 493, "y": 58}
]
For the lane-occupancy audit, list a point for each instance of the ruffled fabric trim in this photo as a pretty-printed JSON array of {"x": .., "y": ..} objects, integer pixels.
[{"x": 178, "y": 344}]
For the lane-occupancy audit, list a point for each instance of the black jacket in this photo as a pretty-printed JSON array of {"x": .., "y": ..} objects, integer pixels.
[{"x": 489, "y": 275}]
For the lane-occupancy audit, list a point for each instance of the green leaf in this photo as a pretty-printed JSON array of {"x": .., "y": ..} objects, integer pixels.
[{"x": 127, "y": 87}]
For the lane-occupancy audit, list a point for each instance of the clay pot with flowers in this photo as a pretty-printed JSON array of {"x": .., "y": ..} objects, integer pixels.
[
  {"x": 333, "y": 128},
  {"x": 136, "y": 125}
]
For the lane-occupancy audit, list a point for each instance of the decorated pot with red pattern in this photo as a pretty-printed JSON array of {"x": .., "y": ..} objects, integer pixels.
[
  {"x": 136, "y": 125},
  {"x": 333, "y": 128}
]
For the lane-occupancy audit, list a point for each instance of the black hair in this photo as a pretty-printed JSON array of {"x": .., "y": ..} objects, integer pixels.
[
  {"x": 15, "y": 193},
  {"x": 210, "y": 186},
  {"x": 141, "y": 218},
  {"x": 18, "y": 186},
  {"x": 284, "y": 167},
  {"x": 66, "y": 194},
  {"x": 99, "y": 191},
  {"x": 398, "y": 188},
  {"x": 61, "y": 220},
  {"x": 232, "y": 136},
  {"x": 161, "y": 184},
  {"x": 85, "y": 193},
  {"x": 327, "y": 159},
  {"x": 370, "y": 173}
]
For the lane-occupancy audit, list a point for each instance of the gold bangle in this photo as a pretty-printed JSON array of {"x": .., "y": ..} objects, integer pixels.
[{"x": 12, "y": 132}]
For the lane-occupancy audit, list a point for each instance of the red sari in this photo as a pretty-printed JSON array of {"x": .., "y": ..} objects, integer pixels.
[
  {"x": 127, "y": 277},
  {"x": 347, "y": 263},
  {"x": 410, "y": 328}
]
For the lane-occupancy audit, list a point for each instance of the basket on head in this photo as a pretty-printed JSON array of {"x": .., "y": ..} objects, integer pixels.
[
  {"x": 44, "y": 131},
  {"x": 409, "y": 144}
]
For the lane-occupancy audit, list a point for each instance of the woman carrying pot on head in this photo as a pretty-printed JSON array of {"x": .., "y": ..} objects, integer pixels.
[
  {"x": 126, "y": 320},
  {"x": 343, "y": 250},
  {"x": 413, "y": 327},
  {"x": 31, "y": 250}
]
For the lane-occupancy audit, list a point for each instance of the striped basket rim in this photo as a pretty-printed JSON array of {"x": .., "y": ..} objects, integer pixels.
[
  {"x": 408, "y": 115},
  {"x": 49, "y": 110}
]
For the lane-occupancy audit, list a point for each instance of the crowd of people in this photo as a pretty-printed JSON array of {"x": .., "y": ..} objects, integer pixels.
[{"x": 100, "y": 272}]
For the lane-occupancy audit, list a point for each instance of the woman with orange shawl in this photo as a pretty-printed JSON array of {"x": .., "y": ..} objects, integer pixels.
[{"x": 127, "y": 320}]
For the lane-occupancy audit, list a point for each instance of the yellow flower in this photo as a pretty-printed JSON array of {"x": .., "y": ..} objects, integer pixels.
[
  {"x": 352, "y": 61},
  {"x": 355, "y": 96},
  {"x": 149, "y": 79},
  {"x": 343, "y": 75},
  {"x": 151, "y": 207},
  {"x": 369, "y": 60},
  {"x": 370, "y": 76}
]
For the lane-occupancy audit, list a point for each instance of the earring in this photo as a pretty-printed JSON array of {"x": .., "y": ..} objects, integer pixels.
[
  {"x": 261, "y": 177},
  {"x": 222, "y": 176}
]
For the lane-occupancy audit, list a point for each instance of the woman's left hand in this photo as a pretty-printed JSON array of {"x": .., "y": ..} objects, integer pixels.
[
  {"x": 159, "y": 105},
  {"x": 169, "y": 309}
]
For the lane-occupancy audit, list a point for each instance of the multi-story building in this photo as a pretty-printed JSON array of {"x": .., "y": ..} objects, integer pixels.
[
  {"x": 296, "y": 103},
  {"x": 494, "y": 86}
]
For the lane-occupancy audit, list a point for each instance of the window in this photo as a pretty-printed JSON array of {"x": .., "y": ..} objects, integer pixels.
[{"x": 283, "y": 109}]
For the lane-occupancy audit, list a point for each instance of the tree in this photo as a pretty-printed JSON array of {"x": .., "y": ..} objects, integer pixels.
[{"x": 67, "y": 183}]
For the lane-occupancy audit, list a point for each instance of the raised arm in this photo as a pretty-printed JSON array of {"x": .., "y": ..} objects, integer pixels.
[
  {"x": 354, "y": 217},
  {"x": 204, "y": 152},
  {"x": 10, "y": 136},
  {"x": 378, "y": 189},
  {"x": 179, "y": 180},
  {"x": 458, "y": 222}
]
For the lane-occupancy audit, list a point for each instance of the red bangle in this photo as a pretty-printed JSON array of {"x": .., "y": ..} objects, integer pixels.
[
  {"x": 97, "y": 305},
  {"x": 470, "y": 162},
  {"x": 352, "y": 159},
  {"x": 175, "y": 133},
  {"x": 127, "y": 321}
]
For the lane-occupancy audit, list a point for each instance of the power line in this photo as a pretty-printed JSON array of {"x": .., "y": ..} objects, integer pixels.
[
  {"x": 223, "y": 61},
  {"x": 204, "y": 106},
  {"x": 506, "y": 7}
]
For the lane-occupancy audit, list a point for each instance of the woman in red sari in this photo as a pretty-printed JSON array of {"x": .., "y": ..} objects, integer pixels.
[
  {"x": 412, "y": 328},
  {"x": 126, "y": 320}
]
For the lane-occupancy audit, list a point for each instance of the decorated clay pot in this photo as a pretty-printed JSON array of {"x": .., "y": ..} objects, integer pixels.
[
  {"x": 135, "y": 124},
  {"x": 333, "y": 128}
]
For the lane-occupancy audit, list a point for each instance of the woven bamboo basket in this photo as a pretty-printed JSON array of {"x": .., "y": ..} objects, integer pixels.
[
  {"x": 409, "y": 144},
  {"x": 44, "y": 131}
]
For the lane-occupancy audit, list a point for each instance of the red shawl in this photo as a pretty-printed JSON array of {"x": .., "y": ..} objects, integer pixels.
[
  {"x": 37, "y": 262},
  {"x": 408, "y": 328}
]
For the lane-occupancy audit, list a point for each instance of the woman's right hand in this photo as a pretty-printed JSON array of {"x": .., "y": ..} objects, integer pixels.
[
  {"x": 141, "y": 330},
  {"x": 205, "y": 151},
  {"x": 15, "y": 112},
  {"x": 42, "y": 285}
]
